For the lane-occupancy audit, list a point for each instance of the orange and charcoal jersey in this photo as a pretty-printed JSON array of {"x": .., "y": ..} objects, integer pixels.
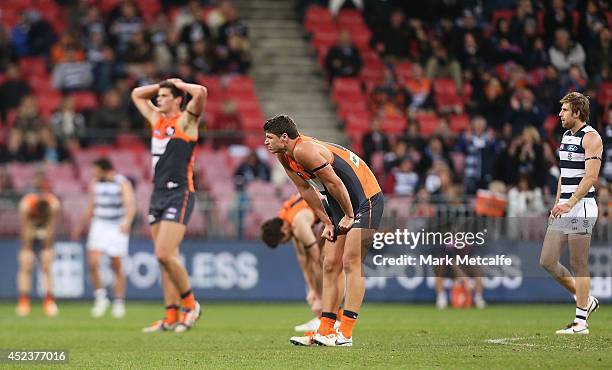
[
  {"x": 292, "y": 207},
  {"x": 361, "y": 184},
  {"x": 29, "y": 201},
  {"x": 357, "y": 177},
  {"x": 173, "y": 155}
]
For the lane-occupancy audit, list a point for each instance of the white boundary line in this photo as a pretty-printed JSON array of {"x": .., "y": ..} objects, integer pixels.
[{"x": 510, "y": 341}]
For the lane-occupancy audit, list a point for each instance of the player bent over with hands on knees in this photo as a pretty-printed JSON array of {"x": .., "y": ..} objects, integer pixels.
[
  {"x": 575, "y": 211},
  {"x": 174, "y": 137},
  {"x": 297, "y": 221},
  {"x": 355, "y": 205}
]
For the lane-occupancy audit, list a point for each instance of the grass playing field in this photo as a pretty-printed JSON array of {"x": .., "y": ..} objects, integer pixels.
[{"x": 256, "y": 335}]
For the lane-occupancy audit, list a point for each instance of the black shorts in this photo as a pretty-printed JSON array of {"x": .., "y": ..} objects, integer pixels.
[
  {"x": 367, "y": 216},
  {"x": 171, "y": 205}
]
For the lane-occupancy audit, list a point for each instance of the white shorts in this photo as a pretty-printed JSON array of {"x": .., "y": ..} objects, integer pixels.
[
  {"x": 579, "y": 220},
  {"x": 107, "y": 238}
]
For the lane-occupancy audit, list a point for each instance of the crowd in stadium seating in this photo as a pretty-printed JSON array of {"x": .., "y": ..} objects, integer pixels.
[
  {"x": 59, "y": 61},
  {"x": 464, "y": 92}
]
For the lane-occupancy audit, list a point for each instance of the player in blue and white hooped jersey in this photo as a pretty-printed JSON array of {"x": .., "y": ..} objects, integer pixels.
[
  {"x": 575, "y": 211},
  {"x": 111, "y": 209}
]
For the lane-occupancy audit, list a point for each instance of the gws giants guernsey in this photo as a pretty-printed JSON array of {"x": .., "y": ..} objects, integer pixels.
[{"x": 173, "y": 155}]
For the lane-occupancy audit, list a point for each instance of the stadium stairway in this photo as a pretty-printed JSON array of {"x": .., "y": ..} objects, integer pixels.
[{"x": 286, "y": 74}]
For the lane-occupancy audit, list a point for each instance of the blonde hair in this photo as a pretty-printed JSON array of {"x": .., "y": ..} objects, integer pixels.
[{"x": 578, "y": 103}]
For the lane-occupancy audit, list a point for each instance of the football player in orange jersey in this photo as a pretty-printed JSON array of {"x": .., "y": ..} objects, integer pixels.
[
  {"x": 175, "y": 134},
  {"x": 296, "y": 221},
  {"x": 353, "y": 211},
  {"x": 37, "y": 214}
]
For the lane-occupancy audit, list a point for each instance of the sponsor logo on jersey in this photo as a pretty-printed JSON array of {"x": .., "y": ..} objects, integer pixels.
[
  {"x": 170, "y": 131},
  {"x": 572, "y": 148}
]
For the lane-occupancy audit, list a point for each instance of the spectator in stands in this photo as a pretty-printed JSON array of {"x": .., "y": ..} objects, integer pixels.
[
  {"x": 252, "y": 168},
  {"x": 403, "y": 180},
  {"x": 235, "y": 58},
  {"x": 72, "y": 74},
  {"x": 32, "y": 148},
  {"x": 471, "y": 58},
  {"x": 491, "y": 101},
  {"x": 68, "y": 125},
  {"x": 92, "y": 22},
  {"x": 374, "y": 141},
  {"x": 67, "y": 43},
  {"x": 574, "y": 81},
  {"x": 389, "y": 98},
  {"x": 393, "y": 42},
  {"x": 186, "y": 73},
  {"x": 435, "y": 152},
  {"x": 167, "y": 51},
  {"x": 557, "y": 17},
  {"x": 397, "y": 154},
  {"x": 53, "y": 153},
  {"x": 343, "y": 59},
  {"x": 502, "y": 42},
  {"x": 535, "y": 54},
  {"x": 12, "y": 90},
  {"x": 440, "y": 65},
  {"x": 28, "y": 115},
  {"x": 336, "y": 5},
  {"x": 201, "y": 57},
  {"x": 419, "y": 88},
  {"x": 592, "y": 22},
  {"x": 550, "y": 90},
  {"x": 565, "y": 53},
  {"x": 232, "y": 26},
  {"x": 600, "y": 55},
  {"x": 125, "y": 26},
  {"x": 523, "y": 111},
  {"x": 195, "y": 31},
  {"x": 107, "y": 120},
  {"x": 138, "y": 52},
  {"x": 524, "y": 19},
  {"x": 412, "y": 135},
  {"x": 525, "y": 208},
  {"x": 14, "y": 141},
  {"x": 105, "y": 70},
  {"x": 40, "y": 34},
  {"x": 528, "y": 157},
  {"x": 478, "y": 147}
]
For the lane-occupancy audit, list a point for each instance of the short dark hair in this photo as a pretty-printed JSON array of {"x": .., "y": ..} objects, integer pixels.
[
  {"x": 578, "y": 104},
  {"x": 175, "y": 91},
  {"x": 282, "y": 124},
  {"x": 271, "y": 232},
  {"x": 103, "y": 163}
]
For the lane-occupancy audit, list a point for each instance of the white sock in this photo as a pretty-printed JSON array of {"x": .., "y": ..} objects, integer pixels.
[
  {"x": 118, "y": 301},
  {"x": 100, "y": 293},
  {"x": 573, "y": 295},
  {"x": 581, "y": 316}
]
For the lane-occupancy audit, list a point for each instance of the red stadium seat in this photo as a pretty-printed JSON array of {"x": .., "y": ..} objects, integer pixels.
[
  {"x": 506, "y": 14},
  {"x": 33, "y": 66},
  {"x": 459, "y": 123},
  {"x": 84, "y": 100},
  {"x": 21, "y": 175},
  {"x": 449, "y": 103},
  {"x": 428, "y": 123},
  {"x": 404, "y": 70},
  {"x": 445, "y": 86},
  {"x": 212, "y": 84},
  {"x": 317, "y": 16},
  {"x": 393, "y": 124},
  {"x": 551, "y": 123}
]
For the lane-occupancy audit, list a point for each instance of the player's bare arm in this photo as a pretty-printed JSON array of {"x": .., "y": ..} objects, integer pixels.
[
  {"x": 129, "y": 204},
  {"x": 190, "y": 118},
  {"x": 593, "y": 150},
  {"x": 302, "y": 231},
  {"x": 141, "y": 96},
  {"x": 313, "y": 156},
  {"x": 54, "y": 208}
]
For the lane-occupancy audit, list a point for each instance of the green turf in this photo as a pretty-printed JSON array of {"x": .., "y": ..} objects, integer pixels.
[{"x": 256, "y": 335}]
